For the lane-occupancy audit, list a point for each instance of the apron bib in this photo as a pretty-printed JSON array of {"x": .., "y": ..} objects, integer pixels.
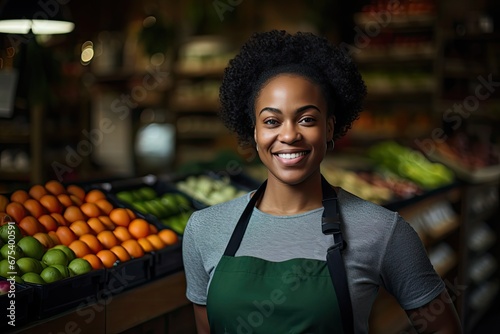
[{"x": 249, "y": 295}]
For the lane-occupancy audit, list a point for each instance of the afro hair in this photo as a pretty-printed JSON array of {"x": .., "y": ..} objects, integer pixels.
[{"x": 267, "y": 54}]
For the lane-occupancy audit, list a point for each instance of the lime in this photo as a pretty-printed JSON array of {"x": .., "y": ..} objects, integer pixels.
[
  {"x": 146, "y": 193},
  {"x": 68, "y": 251},
  {"x": 29, "y": 265},
  {"x": 51, "y": 274},
  {"x": 55, "y": 256},
  {"x": 31, "y": 247},
  {"x": 79, "y": 266},
  {"x": 33, "y": 278},
  {"x": 7, "y": 269},
  {"x": 18, "y": 279},
  {"x": 11, "y": 230},
  {"x": 11, "y": 252},
  {"x": 64, "y": 270}
]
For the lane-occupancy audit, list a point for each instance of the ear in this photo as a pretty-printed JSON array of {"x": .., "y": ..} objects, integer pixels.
[{"x": 330, "y": 125}]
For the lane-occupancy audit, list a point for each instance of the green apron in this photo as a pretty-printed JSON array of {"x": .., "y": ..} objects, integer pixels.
[{"x": 252, "y": 295}]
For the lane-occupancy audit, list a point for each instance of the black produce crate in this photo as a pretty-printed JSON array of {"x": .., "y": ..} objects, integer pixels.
[
  {"x": 127, "y": 275},
  {"x": 53, "y": 298},
  {"x": 167, "y": 260},
  {"x": 22, "y": 312}
]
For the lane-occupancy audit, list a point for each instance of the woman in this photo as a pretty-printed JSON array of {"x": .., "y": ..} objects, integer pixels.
[{"x": 258, "y": 264}]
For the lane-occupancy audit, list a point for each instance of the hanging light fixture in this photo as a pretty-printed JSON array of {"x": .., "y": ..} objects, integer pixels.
[{"x": 37, "y": 17}]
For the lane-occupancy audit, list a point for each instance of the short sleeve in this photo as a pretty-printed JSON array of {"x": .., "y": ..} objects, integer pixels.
[
  {"x": 196, "y": 276},
  {"x": 406, "y": 270}
]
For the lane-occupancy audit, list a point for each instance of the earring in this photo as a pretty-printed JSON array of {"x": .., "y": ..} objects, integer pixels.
[
  {"x": 333, "y": 144},
  {"x": 257, "y": 147}
]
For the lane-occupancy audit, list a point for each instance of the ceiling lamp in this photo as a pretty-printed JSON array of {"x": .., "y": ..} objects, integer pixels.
[{"x": 37, "y": 17}]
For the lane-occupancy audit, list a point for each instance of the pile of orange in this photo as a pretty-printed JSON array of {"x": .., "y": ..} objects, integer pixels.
[{"x": 84, "y": 221}]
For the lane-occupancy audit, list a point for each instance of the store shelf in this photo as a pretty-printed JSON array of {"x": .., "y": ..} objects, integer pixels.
[{"x": 397, "y": 21}]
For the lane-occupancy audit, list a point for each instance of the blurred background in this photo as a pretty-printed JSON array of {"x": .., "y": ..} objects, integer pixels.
[{"x": 131, "y": 88}]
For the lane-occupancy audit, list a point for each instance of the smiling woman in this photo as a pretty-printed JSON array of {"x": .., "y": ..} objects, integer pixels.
[{"x": 299, "y": 255}]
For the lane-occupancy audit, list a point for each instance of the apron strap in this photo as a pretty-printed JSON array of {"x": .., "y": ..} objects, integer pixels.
[
  {"x": 331, "y": 225},
  {"x": 241, "y": 226}
]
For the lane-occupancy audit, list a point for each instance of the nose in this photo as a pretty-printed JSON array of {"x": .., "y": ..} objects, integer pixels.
[{"x": 289, "y": 133}]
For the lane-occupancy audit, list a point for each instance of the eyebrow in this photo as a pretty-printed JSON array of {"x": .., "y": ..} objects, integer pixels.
[{"x": 301, "y": 109}]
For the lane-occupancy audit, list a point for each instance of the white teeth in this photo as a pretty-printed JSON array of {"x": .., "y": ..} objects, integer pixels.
[{"x": 291, "y": 155}]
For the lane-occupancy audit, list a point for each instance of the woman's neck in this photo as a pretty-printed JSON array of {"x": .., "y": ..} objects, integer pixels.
[{"x": 284, "y": 199}]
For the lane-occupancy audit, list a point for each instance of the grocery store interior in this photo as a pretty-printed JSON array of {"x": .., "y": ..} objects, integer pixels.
[{"x": 125, "y": 101}]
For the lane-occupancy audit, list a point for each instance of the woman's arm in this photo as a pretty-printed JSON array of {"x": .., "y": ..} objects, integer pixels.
[
  {"x": 438, "y": 316},
  {"x": 200, "y": 316}
]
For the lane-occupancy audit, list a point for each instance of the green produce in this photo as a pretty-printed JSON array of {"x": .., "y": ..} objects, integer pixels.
[
  {"x": 172, "y": 209},
  {"x": 209, "y": 190},
  {"x": 29, "y": 265},
  {"x": 410, "y": 164}
]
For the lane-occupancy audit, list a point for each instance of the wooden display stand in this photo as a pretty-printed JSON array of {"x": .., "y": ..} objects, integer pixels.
[{"x": 160, "y": 306}]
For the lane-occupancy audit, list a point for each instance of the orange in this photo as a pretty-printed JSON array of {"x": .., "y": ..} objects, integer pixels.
[
  {"x": 65, "y": 200},
  {"x": 168, "y": 236},
  {"x": 108, "y": 239},
  {"x": 108, "y": 258},
  {"x": 19, "y": 196},
  {"x": 122, "y": 233},
  {"x": 48, "y": 222},
  {"x": 94, "y": 261},
  {"x": 16, "y": 210},
  {"x": 30, "y": 225},
  {"x": 96, "y": 225},
  {"x": 76, "y": 200},
  {"x": 106, "y": 221},
  {"x": 91, "y": 210},
  {"x": 54, "y": 237},
  {"x": 37, "y": 191},
  {"x": 80, "y": 227},
  {"x": 55, "y": 187},
  {"x": 44, "y": 239},
  {"x": 139, "y": 228},
  {"x": 131, "y": 213},
  {"x": 80, "y": 248},
  {"x": 92, "y": 241},
  {"x": 4, "y": 218},
  {"x": 121, "y": 253},
  {"x": 146, "y": 245},
  {"x": 59, "y": 219},
  {"x": 120, "y": 217},
  {"x": 65, "y": 235},
  {"x": 73, "y": 213},
  {"x": 77, "y": 191},
  {"x": 153, "y": 229},
  {"x": 51, "y": 203},
  {"x": 133, "y": 247},
  {"x": 3, "y": 202},
  {"x": 104, "y": 205},
  {"x": 156, "y": 241},
  {"x": 34, "y": 207},
  {"x": 94, "y": 195}
]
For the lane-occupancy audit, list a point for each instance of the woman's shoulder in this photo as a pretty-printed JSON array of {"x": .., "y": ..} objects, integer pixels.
[{"x": 353, "y": 203}]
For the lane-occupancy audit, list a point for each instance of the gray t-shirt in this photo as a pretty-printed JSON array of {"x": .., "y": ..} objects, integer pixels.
[{"x": 383, "y": 250}]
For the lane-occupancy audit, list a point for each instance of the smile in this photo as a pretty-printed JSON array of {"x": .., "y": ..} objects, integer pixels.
[{"x": 291, "y": 155}]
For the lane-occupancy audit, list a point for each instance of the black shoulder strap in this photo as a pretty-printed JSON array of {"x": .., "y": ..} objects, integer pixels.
[
  {"x": 241, "y": 225},
  {"x": 331, "y": 225}
]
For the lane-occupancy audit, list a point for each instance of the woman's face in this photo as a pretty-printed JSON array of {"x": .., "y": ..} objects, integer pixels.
[{"x": 292, "y": 127}]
